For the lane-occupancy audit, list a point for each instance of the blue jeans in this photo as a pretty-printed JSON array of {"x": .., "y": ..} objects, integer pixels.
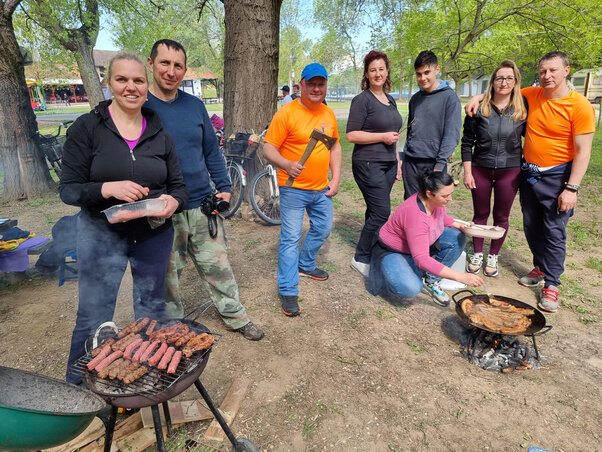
[
  {"x": 102, "y": 257},
  {"x": 402, "y": 275},
  {"x": 293, "y": 204}
]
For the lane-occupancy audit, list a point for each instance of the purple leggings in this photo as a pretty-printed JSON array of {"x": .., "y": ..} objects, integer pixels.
[{"x": 504, "y": 183}]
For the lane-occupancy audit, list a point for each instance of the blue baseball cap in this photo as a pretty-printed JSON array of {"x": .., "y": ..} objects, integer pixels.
[{"x": 314, "y": 70}]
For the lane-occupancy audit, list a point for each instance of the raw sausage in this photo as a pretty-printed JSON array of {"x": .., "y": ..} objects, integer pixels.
[
  {"x": 166, "y": 358},
  {"x": 108, "y": 360},
  {"x": 102, "y": 354},
  {"x": 151, "y": 348},
  {"x": 130, "y": 348},
  {"x": 173, "y": 365},
  {"x": 140, "y": 351},
  {"x": 154, "y": 360}
]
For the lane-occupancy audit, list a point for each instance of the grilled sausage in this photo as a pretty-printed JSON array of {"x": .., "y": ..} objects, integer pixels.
[
  {"x": 127, "y": 330},
  {"x": 166, "y": 358},
  {"x": 173, "y": 365},
  {"x": 133, "y": 376},
  {"x": 102, "y": 354},
  {"x": 140, "y": 325},
  {"x": 104, "y": 373},
  {"x": 154, "y": 360},
  {"x": 130, "y": 348},
  {"x": 121, "y": 344},
  {"x": 108, "y": 360},
  {"x": 151, "y": 348},
  {"x": 140, "y": 351},
  {"x": 151, "y": 327}
]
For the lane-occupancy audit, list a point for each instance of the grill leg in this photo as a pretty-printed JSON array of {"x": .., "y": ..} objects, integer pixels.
[
  {"x": 216, "y": 413},
  {"x": 167, "y": 418},
  {"x": 110, "y": 426},
  {"x": 158, "y": 429},
  {"x": 535, "y": 347}
]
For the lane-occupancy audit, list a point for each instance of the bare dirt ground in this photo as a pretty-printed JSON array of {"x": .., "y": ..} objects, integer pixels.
[{"x": 357, "y": 372}]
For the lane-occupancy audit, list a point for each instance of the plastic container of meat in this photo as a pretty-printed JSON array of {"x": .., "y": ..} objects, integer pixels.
[{"x": 132, "y": 210}]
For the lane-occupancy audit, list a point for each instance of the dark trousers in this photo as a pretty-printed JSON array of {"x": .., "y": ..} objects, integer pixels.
[
  {"x": 375, "y": 180},
  {"x": 544, "y": 225},
  {"x": 412, "y": 170},
  {"x": 102, "y": 257},
  {"x": 504, "y": 184}
]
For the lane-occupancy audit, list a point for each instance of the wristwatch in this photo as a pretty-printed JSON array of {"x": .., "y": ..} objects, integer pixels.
[{"x": 572, "y": 187}]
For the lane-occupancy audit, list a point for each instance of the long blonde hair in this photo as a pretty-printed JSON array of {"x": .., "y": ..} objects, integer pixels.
[{"x": 516, "y": 99}]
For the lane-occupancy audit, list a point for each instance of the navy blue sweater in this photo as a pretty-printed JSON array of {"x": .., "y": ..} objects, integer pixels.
[{"x": 187, "y": 121}]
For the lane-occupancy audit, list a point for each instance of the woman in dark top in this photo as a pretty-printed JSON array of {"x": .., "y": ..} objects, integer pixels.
[
  {"x": 120, "y": 153},
  {"x": 373, "y": 126},
  {"x": 491, "y": 155}
]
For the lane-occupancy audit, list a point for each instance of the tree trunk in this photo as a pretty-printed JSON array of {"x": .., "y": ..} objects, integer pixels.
[
  {"x": 250, "y": 64},
  {"x": 87, "y": 70},
  {"x": 25, "y": 172}
]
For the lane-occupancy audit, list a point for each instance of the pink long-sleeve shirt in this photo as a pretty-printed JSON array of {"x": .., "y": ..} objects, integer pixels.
[{"x": 411, "y": 231}]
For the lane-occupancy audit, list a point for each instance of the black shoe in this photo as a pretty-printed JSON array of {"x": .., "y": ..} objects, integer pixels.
[
  {"x": 316, "y": 273},
  {"x": 290, "y": 305},
  {"x": 250, "y": 331}
]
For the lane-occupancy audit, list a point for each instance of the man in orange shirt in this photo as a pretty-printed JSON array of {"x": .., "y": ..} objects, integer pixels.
[
  {"x": 311, "y": 192},
  {"x": 557, "y": 149}
]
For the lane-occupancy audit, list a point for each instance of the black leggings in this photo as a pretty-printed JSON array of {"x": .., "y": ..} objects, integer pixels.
[{"x": 375, "y": 180}]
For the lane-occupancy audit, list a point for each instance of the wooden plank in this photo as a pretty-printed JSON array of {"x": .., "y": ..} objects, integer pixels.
[
  {"x": 123, "y": 429},
  {"x": 140, "y": 440},
  {"x": 95, "y": 430},
  {"x": 229, "y": 408},
  {"x": 180, "y": 413}
]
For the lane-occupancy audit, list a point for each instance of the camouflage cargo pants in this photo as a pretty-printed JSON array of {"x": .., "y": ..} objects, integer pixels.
[{"x": 210, "y": 257}]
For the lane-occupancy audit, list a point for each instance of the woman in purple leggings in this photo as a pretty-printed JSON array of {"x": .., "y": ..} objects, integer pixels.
[{"x": 491, "y": 155}]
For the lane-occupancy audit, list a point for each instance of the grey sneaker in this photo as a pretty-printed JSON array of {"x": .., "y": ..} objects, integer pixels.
[
  {"x": 317, "y": 274},
  {"x": 361, "y": 267},
  {"x": 251, "y": 331},
  {"x": 549, "y": 299},
  {"x": 290, "y": 305},
  {"x": 475, "y": 264},
  {"x": 491, "y": 267},
  {"x": 531, "y": 279},
  {"x": 433, "y": 288}
]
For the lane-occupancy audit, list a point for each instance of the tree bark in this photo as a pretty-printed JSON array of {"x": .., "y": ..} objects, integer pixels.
[
  {"x": 250, "y": 64},
  {"x": 87, "y": 69},
  {"x": 25, "y": 172}
]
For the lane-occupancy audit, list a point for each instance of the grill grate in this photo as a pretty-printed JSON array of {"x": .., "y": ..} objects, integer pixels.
[{"x": 154, "y": 382}]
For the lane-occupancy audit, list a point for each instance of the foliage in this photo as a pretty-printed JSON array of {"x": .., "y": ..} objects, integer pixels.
[{"x": 200, "y": 29}]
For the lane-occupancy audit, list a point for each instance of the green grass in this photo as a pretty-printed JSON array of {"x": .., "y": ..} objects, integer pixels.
[
  {"x": 594, "y": 264},
  {"x": 415, "y": 347}
]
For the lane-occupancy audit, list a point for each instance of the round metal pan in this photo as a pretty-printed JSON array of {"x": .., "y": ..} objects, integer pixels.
[
  {"x": 180, "y": 385},
  {"x": 538, "y": 321}
]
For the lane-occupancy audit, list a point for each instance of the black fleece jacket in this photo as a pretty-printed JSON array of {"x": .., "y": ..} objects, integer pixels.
[
  {"x": 95, "y": 152},
  {"x": 496, "y": 140}
]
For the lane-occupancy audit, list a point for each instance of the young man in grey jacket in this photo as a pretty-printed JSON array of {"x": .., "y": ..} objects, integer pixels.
[{"x": 434, "y": 124}]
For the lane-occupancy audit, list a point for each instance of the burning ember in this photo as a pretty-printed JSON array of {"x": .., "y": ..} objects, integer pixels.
[{"x": 498, "y": 352}]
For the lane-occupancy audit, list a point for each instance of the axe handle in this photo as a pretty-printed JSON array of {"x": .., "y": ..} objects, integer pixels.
[{"x": 308, "y": 150}]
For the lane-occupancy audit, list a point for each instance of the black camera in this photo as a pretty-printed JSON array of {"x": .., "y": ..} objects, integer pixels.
[{"x": 211, "y": 203}]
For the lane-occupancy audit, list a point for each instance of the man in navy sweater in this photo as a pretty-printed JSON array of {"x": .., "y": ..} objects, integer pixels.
[
  {"x": 185, "y": 118},
  {"x": 434, "y": 124}
]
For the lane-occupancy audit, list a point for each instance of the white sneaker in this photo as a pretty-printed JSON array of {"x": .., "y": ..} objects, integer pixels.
[{"x": 364, "y": 269}]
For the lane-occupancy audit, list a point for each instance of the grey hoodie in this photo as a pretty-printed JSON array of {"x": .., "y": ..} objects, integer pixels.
[{"x": 435, "y": 121}]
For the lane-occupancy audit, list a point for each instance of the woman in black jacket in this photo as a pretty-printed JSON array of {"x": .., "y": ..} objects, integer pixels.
[
  {"x": 491, "y": 155},
  {"x": 120, "y": 153},
  {"x": 373, "y": 126}
]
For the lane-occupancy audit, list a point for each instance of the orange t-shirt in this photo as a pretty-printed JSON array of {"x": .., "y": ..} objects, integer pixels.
[
  {"x": 552, "y": 124},
  {"x": 289, "y": 131}
]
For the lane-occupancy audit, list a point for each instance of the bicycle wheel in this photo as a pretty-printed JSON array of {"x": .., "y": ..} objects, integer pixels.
[
  {"x": 237, "y": 191},
  {"x": 265, "y": 198}
]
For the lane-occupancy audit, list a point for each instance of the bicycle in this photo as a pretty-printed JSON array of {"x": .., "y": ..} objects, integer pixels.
[
  {"x": 265, "y": 193},
  {"x": 52, "y": 147}
]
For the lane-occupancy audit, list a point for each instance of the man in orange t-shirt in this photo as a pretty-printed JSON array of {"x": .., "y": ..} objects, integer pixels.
[
  {"x": 311, "y": 192},
  {"x": 557, "y": 149}
]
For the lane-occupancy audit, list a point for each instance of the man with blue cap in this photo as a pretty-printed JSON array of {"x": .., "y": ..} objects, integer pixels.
[{"x": 302, "y": 141}]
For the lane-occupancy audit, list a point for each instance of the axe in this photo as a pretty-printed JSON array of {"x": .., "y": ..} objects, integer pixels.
[{"x": 315, "y": 136}]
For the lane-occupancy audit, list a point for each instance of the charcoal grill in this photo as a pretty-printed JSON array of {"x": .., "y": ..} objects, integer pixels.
[
  {"x": 157, "y": 387},
  {"x": 538, "y": 325}
]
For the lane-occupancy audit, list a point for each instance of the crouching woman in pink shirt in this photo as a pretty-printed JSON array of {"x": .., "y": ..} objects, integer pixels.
[{"x": 418, "y": 240}]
